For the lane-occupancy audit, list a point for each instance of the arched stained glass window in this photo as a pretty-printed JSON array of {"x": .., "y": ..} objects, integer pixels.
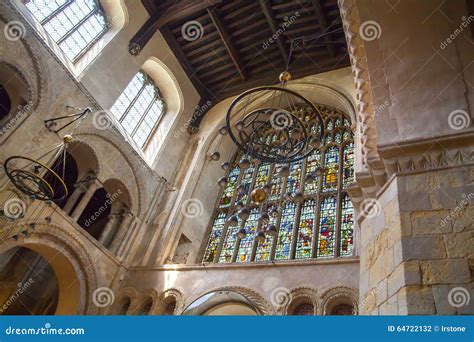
[
  {"x": 139, "y": 108},
  {"x": 75, "y": 25},
  {"x": 320, "y": 225}
]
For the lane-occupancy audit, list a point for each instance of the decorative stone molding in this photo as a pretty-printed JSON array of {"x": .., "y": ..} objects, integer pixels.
[
  {"x": 127, "y": 292},
  {"x": 300, "y": 295},
  {"x": 258, "y": 301},
  {"x": 339, "y": 295},
  {"x": 165, "y": 298},
  {"x": 137, "y": 172},
  {"x": 71, "y": 247}
]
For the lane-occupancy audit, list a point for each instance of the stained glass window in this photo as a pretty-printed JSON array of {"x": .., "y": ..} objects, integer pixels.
[
  {"x": 305, "y": 230},
  {"x": 139, "y": 108},
  {"x": 348, "y": 164},
  {"x": 264, "y": 248},
  {"x": 215, "y": 237},
  {"x": 294, "y": 179},
  {"x": 320, "y": 225},
  {"x": 246, "y": 244},
  {"x": 230, "y": 187},
  {"x": 347, "y": 222},
  {"x": 327, "y": 227},
  {"x": 75, "y": 25},
  {"x": 285, "y": 233}
]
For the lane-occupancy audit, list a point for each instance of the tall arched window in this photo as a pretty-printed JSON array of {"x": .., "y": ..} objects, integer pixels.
[
  {"x": 318, "y": 226},
  {"x": 75, "y": 25},
  {"x": 139, "y": 108}
]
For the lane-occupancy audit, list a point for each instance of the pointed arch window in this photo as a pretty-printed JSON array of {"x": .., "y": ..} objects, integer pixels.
[
  {"x": 75, "y": 25},
  {"x": 319, "y": 226},
  {"x": 139, "y": 108}
]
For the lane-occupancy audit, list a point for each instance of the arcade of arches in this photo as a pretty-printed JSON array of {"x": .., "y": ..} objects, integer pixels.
[{"x": 377, "y": 220}]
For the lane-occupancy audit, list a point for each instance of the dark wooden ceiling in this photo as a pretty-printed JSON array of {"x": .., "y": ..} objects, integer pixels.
[{"x": 237, "y": 50}]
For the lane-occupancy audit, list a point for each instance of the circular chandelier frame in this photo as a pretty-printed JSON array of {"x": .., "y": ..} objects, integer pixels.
[{"x": 292, "y": 146}]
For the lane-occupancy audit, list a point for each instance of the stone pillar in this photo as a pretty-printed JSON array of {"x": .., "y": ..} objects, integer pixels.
[
  {"x": 417, "y": 254},
  {"x": 73, "y": 199},
  {"x": 107, "y": 234},
  {"x": 130, "y": 232},
  {"x": 92, "y": 187},
  {"x": 122, "y": 230}
]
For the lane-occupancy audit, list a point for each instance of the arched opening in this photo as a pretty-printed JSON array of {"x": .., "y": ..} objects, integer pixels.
[
  {"x": 145, "y": 308},
  {"x": 340, "y": 304},
  {"x": 221, "y": 303},
  {"x": 29, "y": 284},
  {"x": 170, "y": 308},
  {"x": 14, "y": 93},
  {"x": 303, "y": 309},
  {"x": 231, "y": 309},
  {"x": 342, "y": 310},
  {"x": 5, "y": 102},
  {"x": 122, "y": 305},
  {"x": 94, "y": 217},
  {"x": 67, "y": 166},
  {"x": 38, "y": 279}
]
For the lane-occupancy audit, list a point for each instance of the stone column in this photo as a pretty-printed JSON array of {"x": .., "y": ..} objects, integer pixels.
[
  {"x": 130, "y": 232},
  {"x": 122, "y": 230},
  {"x": 73, "y": 199},
  {"x": 107, "y": 234},
  {"x": 92, "y": 187}
]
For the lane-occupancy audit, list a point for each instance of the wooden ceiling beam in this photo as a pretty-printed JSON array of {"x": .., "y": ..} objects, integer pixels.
[
  {"x": 227, "y": 43},
  {"x": 178, "y": 11},
  {"x": 323, "y": 24},
  {"x": 271, "y": 20},
  {"x": 188, "y": 68}
]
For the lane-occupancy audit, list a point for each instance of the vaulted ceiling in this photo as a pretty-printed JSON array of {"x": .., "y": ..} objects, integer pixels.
[{"x": 229, "y": 46}]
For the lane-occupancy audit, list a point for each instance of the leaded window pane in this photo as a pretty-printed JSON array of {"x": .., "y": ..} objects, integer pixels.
[
  {"x": 319, "y": 226},
  {"x": 139, "y": 108},
  {"x": 75, "y": 25}
]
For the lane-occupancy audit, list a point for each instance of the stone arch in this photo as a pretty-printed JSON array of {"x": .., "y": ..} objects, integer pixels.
[
  {"x": 258, "y": 302},
  {"x": 70, "y": 261},
  {"x": 85, "y": 157},
  {"x": 125, "y": 302},
  {"x": 301, "y": 295},
  {"x": 147, "y": 303},
  {"x": 125, "y": 152},
  {"x": 336, "y": 296},
  {"x": 166, "y": 298},
  {"x": 120, "y": 195},
  {"x": 20, "y": 93}
]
